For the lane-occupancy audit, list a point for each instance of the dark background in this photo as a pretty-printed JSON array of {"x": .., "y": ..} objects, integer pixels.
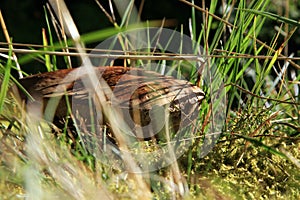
[{"x": 26, "y": 18}]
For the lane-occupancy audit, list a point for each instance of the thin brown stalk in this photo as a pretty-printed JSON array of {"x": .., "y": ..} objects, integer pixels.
[
  {"x": 6, "y": 34},
  {"x": 110, "y": 18}
]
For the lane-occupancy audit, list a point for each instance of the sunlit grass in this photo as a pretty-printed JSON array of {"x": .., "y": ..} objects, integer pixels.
[{"x": 255, "y": 157}]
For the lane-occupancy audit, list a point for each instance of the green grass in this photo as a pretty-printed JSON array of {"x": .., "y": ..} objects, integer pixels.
[{"x": 256, "y": 156}]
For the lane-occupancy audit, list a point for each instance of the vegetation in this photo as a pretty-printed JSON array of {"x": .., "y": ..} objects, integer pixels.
[{"x": 256, "y": 156}]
